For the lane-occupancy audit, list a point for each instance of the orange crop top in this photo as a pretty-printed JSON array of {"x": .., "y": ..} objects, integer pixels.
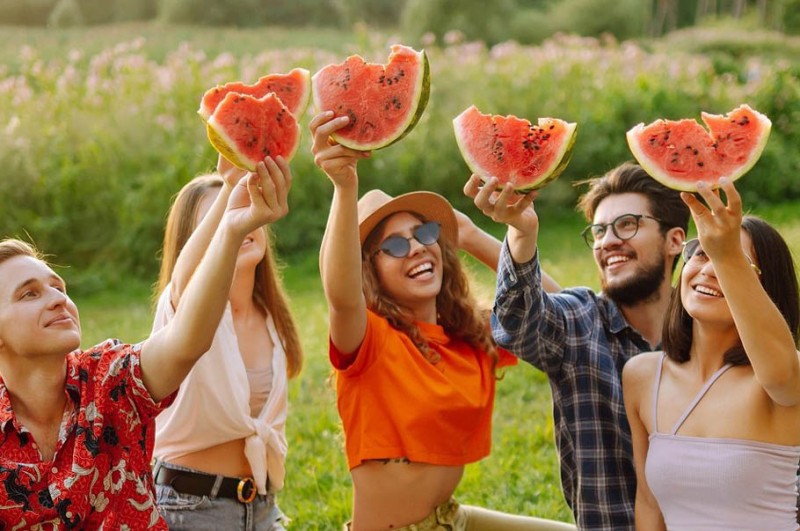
[{"x": 395, "y": 403}]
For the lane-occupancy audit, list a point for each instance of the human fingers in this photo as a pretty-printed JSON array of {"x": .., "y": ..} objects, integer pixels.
[
  {"x": 484, "y": 199},
  {"x": 731, "y": 195},
  {"x": 278, "y": 176},
  {"x": 711, "y": 197},
  {"x": 319, "y": 119},
  {"x": 472, "y": 186}
]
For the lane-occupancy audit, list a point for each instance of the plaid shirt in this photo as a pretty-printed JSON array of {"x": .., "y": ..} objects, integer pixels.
[{"x": 581, "y": 341}]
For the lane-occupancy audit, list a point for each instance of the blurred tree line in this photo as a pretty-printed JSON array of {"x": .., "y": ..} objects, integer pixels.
[{"x": 527, "y": 21}]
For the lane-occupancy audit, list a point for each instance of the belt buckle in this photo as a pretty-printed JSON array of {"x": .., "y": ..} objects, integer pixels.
[{"x": 240, "y": 490}]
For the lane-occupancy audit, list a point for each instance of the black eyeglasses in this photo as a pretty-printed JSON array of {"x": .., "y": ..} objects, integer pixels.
[
  {"x": 399, "y": 247},
  {"x": 624, "y": 227},
  {"x": 694, "y": 253}
]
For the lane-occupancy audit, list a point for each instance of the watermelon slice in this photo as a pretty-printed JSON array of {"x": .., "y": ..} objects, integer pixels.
[
  {"x": 245, "y": 129},
  {"x": 384, "y": 102},
  {"x": 294, "y": 90},
  {"x": 679, "y": 154},
  {"x": 513, "y": 149}
]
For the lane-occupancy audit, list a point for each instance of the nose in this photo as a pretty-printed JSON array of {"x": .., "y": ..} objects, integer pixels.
[
  {"x": 708, "y": 269},
  {"x": 56, "y": 298},
  {"x": 601, "y": 243},
  {"x": 415, "y": 247}
]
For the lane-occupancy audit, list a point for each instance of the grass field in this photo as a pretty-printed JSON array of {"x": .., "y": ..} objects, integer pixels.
[{"x": 520, "y": 476}]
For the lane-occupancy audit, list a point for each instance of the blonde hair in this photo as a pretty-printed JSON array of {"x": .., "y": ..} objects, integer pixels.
[{"x": 268, "y": 290}]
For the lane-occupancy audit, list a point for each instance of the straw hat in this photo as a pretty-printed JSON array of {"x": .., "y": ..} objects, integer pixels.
[{"x": 376, "y": 205}]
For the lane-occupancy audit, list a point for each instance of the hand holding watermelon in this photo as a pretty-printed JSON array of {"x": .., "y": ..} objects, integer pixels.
[
  {"x": 510, "y": 208},
  {"x": 718, "y": 225},
  {"x": 260, "y": 197},
  {"x": 337, "y": 161}
]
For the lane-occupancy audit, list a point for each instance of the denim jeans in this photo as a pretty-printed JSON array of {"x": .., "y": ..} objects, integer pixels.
[{"x": 187, "y": 512}]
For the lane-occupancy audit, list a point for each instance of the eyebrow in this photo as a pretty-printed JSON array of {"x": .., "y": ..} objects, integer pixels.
[{"x": 25, "y": 283}]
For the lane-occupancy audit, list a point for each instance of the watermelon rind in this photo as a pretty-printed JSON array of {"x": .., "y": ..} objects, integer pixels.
[
  {"x": 656, "y": 170},
  {"x": 205, "y": 113},
  {"x": 561, "y": 158},
  {"x": 226, "y": 145},
  {"x": 419, "y": 99}
]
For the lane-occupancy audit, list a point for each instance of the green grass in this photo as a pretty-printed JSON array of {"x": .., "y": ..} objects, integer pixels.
[{"x": 520, "y": 476}]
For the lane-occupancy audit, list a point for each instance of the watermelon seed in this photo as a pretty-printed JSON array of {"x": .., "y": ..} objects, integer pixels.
[
  {"x": 695, "y": 152},
  {"x": 700, "y": 164}
]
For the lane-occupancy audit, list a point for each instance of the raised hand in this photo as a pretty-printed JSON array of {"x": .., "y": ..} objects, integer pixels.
[
  {"x": 230, "y": 174},
  {"x": 718, "y": 225},
  {"x": 338, "y": 162},
  {"x": 261, "y": 197},
  {"x": 504, "y": 206}
]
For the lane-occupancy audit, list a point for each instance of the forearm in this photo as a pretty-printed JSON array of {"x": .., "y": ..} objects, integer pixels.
[
  {"x": 195, "y": 247},
  {"x": 483, "y": 247},
  {"x": 168, "y": 356},
  {"x": 522, "y": 244},
  {"x": 341, "y": 267},
  {"x": 763, "y": 331}
]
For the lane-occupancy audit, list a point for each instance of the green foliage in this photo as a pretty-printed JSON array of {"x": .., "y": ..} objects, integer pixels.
[
  {"x": 66, "y": 14},
  {"x": 475, "y": 19},
  {"x": 622, "y": 18},
  {"x": 25, "y": 12},
  {"x": 91, "y": 183},
  {"x": 241, "y": 13}
]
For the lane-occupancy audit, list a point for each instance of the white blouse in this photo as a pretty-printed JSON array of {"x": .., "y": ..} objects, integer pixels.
[{"x": 213, "y": 404}]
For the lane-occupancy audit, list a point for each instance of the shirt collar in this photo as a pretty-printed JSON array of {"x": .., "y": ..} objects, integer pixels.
[
  {"x": 72, "y": 389},
  {"x": 433, "y": 333}
]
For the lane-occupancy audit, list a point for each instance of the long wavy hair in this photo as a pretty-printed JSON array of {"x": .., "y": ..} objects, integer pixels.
[
  {"x": 778, "y": 277},
  {"x": 268, "y": 290},
  {"x": 456, "y": 308}
]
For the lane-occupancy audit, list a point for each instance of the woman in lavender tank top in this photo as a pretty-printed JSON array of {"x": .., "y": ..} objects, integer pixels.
[{"x": 715, "y": 418}]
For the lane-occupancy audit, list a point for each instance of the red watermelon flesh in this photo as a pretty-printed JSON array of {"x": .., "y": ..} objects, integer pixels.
[
  {"x": 245, "y": 129},
  {"x": 513, "y": 149},
  {"x": 293, "y": 89},
  {"x": 384, "y": 102},
  {"x": 679, "y": 154}
]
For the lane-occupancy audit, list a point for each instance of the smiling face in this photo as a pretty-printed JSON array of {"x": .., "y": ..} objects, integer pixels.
[
  {"x": 413, "y": 281},
  {"x": 37, "y": 317},
  {"x": 701, "y": 295},
  {"x": 631, "y": 270}
]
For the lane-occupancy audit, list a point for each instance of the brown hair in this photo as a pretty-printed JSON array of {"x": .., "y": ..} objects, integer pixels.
[
  {"x": 778, "y": 277},
  {"x": 666, "y": 204},
  {"x": 456, "y": 308},
  {"x": 11, "y": 247},
  {"x": 268, "y": 291}
]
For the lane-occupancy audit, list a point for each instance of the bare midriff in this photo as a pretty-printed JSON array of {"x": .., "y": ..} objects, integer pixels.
[
  {"x": 226, "y": 459},
  {"x": 396, "y": 493}
]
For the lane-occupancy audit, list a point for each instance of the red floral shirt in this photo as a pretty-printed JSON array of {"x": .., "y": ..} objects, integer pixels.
[{"x": 100, "y": 476}]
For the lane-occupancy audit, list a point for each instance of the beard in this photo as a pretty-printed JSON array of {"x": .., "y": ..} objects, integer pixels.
[{"x": 642, "y": 287}]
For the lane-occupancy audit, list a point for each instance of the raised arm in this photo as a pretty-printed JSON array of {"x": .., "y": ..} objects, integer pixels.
[
  {"x": 637, "y": 383},
  {"x": 340, "y": 253},
  {"x": 763, "y": 330},
  {"x": 198, "y": 242},
  {"x": 168, "y": 355}
]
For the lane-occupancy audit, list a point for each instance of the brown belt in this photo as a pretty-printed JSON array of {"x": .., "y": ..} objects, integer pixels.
[{"x": 200, "y": 484}]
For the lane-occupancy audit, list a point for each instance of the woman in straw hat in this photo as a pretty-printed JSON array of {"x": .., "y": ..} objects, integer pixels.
[{"x": 415, "y": 362}]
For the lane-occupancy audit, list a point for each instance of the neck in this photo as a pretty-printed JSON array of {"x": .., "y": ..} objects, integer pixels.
[
  {"x": 709, "y": 345},
  {"x": 36, "y": 387},
  {"x": 241, "y": 294},
  {"x": 426, "y": 313},
  {"x": 647, "y": 316}
]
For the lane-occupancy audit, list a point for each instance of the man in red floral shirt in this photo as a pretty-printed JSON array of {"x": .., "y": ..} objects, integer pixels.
[{"x": 76, "y": 426}]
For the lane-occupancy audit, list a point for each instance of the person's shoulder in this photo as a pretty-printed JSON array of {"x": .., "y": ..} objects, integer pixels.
[{"x": 640, "y": 368}]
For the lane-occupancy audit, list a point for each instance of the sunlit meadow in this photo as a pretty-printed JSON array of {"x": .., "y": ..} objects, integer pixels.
[{"x": 97, "y": 134}]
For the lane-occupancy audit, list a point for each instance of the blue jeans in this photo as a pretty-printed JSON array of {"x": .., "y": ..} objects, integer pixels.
[{"x": 187, "y": 512}]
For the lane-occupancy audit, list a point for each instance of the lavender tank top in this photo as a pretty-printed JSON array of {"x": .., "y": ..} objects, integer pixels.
[{"x": 704, "y": 484}]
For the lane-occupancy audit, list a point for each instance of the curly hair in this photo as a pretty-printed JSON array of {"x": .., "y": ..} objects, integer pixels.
[{"x": 456, "y": 308}]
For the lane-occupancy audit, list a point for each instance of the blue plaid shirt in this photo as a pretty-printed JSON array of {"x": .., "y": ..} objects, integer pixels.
[{"x": 581, "y": 340}]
